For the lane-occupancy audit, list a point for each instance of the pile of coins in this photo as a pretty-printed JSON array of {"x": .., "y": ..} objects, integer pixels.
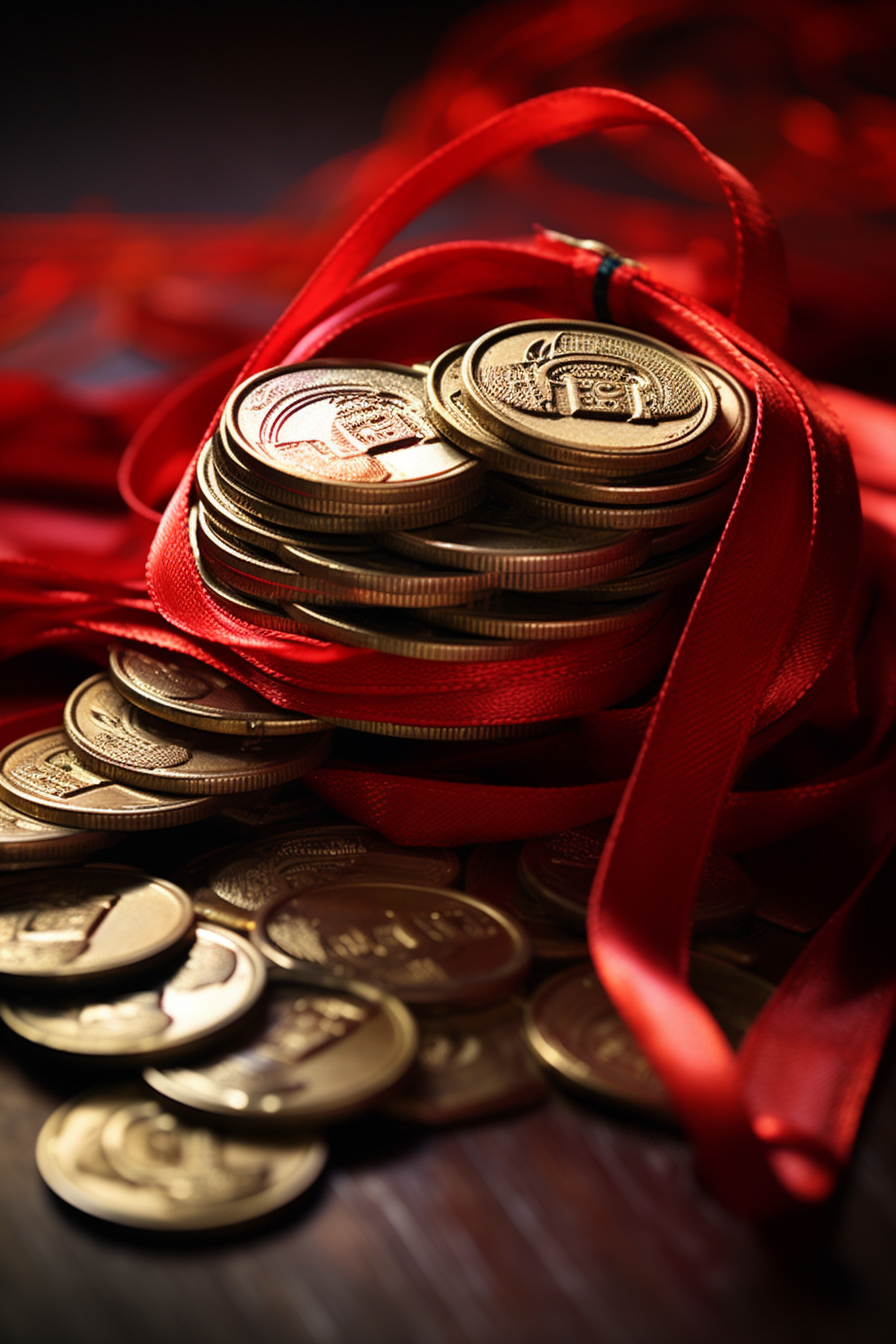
[
  {"x": 270, "y": 986},
  {"x": 551, "y": 481}
]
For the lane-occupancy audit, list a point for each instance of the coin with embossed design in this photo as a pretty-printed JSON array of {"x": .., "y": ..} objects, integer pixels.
[
  {"x": 429, "y": 946},
  {"x": 183, "y": 690},
  {"x": 491, "y": 874},
  {"x": 44, "y": 777},
  {"x": 320, "y": 1051},
  {"x": 218, "y": 982},
  {"x": 124, "y": 743},
  {"x": 469, "y": 1064},
  {"x": 585, "y": 388},
  {"x": 65, "y": 925},
  {"x": 575, "y": 1031},
  {"x": 26, "y": 842},
  {"x": 122, "y": 1155}
]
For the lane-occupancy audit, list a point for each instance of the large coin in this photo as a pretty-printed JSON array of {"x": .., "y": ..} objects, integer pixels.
[
  {"x": 491, "y": 874},
  {"x": 577, "y": 1034},
  {"x": 42, "y": 776},
  {"x": 384, "y": 577},
  {"x": 429, "y": 946},
  {"x": 587, "y": 388},
  {"x": 469, "y": 1064},
  {"x": 26, "y": 842},
  {"x": 67, "y": 925},
  {"x": 186, "y": 691},
  {"x": 574, "y": 514},
  {"x": 250, "y": 876},
  {"x": 533, "y": 616},
  {"x": 120, "y": 1154},
  {"x": 389, "y": 630},
  {"x": 220, "y": 980},
  {"x": 123, "y": 743},
  {"x": 561, "y": 868},
  {"x": 344, "y": 434},
  {"x": 319, "y": 1052}
]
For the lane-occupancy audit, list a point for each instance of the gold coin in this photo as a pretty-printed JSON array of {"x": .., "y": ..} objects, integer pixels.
[
  {"x": 429, "y": 946},
  {"x": 42, "y": 776},
  {"x": 252, "y": 610},
  {"x": 249, "y": 571},
  {"x": 384, "y": 577},
  {"x": 469, "y": 1064},
  {"x": 560, "y": 869},
  {"x": 510, "y": 542},
  {"x": 531, "y": 616},
  {"x": 473, "y": 732},
  {"x": 573, "y": 514},
  {"x": 391, "y": 630},
  {"x": 491, "y": 874},
  {"x": 321, "y": 1051},
  {"x": 221, "y": 978},
  {"x": 575, "y": 1031},
  {"x": 68, "y": 925},
  {"x": 184, "y": 690},
  {"x": 249, "y": 876},
  {"x": 121, "y": 1155},
  {"x": 124, "y": 743},
  {"x": 656, "y": 575},
  {"x": 26, "y": 842},
  {"x": 343, "y": 434},
  {"x": 560, "y": 388}
]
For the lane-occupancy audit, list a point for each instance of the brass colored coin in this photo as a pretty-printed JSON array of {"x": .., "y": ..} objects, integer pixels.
[
  {"x": 469, "y": 1064},
  {"x": 249, "y": 876},
  {"x": 656, "y": 575},
  {"x": 68, "y": 925},
  {"x": 252, "y": 610},
  {"x": 391, "y": 630},
  {"x": 126, "y": 744},
  {"x": 248, "y": 570},
  {"x": 507, "y": 541},
  {"x": 26, "y": 842},
  {"x": 560, "y": 388},
  {"x": 221, "y": 978},
  {"x": 532, "y": 616},
  {"x": 491, "y": 874},
  {"x": 344, "y": 434},
  {"x": 577, "y": 1034},
  {"x": 574, "y": 514},
  {"x": 119, "y": 1154},
  {"x": 450, "y": 412},
  {"x": 560, "y": 869},
  {"x": 474, "y": 732},
  {"x": 320, "y": 1052},
  {"x": 42, "y": 776},
  {"x": 378, "y": 576},
  {"x": 184, "y": 690},
  {"x": 430, "y": 946}
]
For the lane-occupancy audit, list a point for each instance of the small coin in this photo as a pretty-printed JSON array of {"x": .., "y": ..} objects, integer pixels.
[
  {"x": 126, "y": 744},
  {"x": 121, "y": 1155},
  {"x": 252, "y": 610},
  {"x": 320, "y": 1052},
  {"x": 344, "y": 435},
  {"x": 26, "y": 842},
  {"x": 491, "y": 874},
  {"x": 561, "y": 388},
  {"x": 391, "y": 630},
  {"x": 380, "y": 576},
  {"x": 561, "y": 868},
  {"x": 574, "y": 1030},
  {"x": 508, "y": 541},
  {"x": 66, "y": 925},
  {"x": 469, "y": 1064},
  {"x": 218, "y": 982},
  {"x": 533, "y": 616},
  {"x": 430, "y": 946},
  {"x": 42, "y": 776},
  {"x": 575, "y": 514},
  {"x": 250, "y": 876},
  {"x": 184, "y": 690}
]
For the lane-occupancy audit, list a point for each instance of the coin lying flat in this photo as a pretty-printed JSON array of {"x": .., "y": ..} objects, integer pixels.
[
  {"x": 183, "y": 690},
  {"x": 560, "y": 869},
  {"x": 66, "y": 925},
  {"x": 575, "y": 1031},
  {"x": 218, "y": 982},
  {"x": 428, "y": 946},
  {"x": 538, "y": 616},
  {"x": 587, "y": 388},
  {"x": 318, "y": 1053},
  {"x": 248, "y": 570},
  {"x": 379, "y": 576},
  {"x": 392, "y": 630},
  {"x": 656, "y": 575},
  {"x": 469, "y": 1064},
  {"x": 126, "y": 744},
  {"x": 26, "y": 842},
  {"x": 473, "y": 732},
  {"x": 121, "y": 1155},
  {"x": 294, "y": 858},
  {"x": 42, "y": 776},
  {"x": 252, "y": 610},
  {"x": 574, "y": 514},
  {"x": 491, "y": 874}
]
